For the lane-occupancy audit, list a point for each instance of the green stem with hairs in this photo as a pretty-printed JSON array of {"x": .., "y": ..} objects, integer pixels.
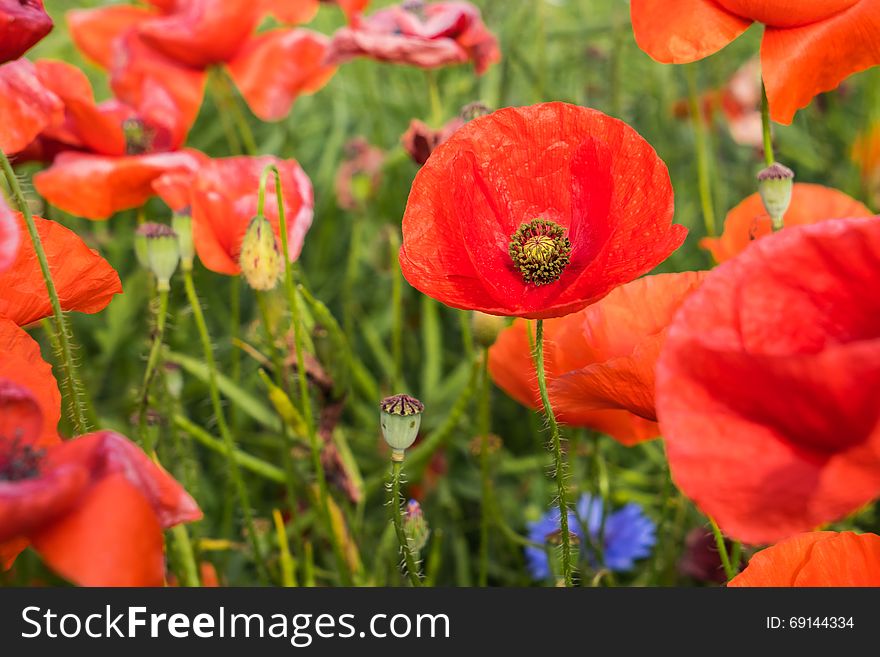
[
  {"x": 71, "y": 383},
  {"x": 769, "y": 157},
  {"x": 559, "y": 462},
  {"x": 226, "y": 435},
  {"x": 729, "y": 570},
  {"x": 703, "y": 175},
  {"x": 305, "y": 399},
  {"x": 152, "y": 363},
  {"x": 396, "y": 310},
  {"x": 412, "y": 569}
]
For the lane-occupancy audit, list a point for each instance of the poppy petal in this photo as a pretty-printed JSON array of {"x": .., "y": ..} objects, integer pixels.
[
  {"x": 10, "y": 237},
  {"x": 96, "y": 31},
  {"x": 801, "y": 62},
  {"x": 98, "y": 186},
  {"x": 23, "y": 364},
  {"x": 84, "y": 280},
  {"x": 22, "y": 25},
  {"x": 766, "y": 385},
  {"x": 293, "y": 13},
  {"x": 27, "y": 505},
  {"x": 816, "y": 559},
  {"x": 749, "y": 220},
  {"x": 113, "y": 520},
  {"x": 684, "y": 31},
  {"x": 275, "y": 67},
  {"x": 26, "y": 106}
]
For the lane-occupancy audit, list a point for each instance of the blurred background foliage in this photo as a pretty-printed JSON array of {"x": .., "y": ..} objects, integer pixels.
[{"x": 578, "y": 51}]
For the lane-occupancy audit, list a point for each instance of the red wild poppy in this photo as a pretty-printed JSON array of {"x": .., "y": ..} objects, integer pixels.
[
  {"x": 222, "y": 196},
  {"x": 767, "y": 386},
  {"x": 749, "y": 220},
  {"x": 601, "y": 359},
  {"x": 22, "y": 24},
  {"x": 816, "y": 559},
  {"x": 95, "y": 495},
  {"x": 10, "y": 236},
  {"x": 26, "y": 106},
  {"x": 424, "y": 34},
  {"x": 809, "y": 46},
  {"x": 537, "y": 212},
  {"x": 84, "y": 280}
]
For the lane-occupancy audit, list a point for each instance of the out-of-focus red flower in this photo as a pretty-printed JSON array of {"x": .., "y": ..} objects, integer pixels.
[
  {"x": 809, "y": 46},
  {"x": 22, "y": 24},
  {"x": 94, "y": 508},
  {"x": 866, "y": 154},
  {"x": 424, "y": 34},
  {"x": 360, "y": 173},
  {"x": 26, "y": 106},
  {"x": 84, "y": 280},
  {"x": 537, "y": 212},
  {"x": 352, "y": 8},
  {"x": 168, "y": 50},
  {"x": 767, "y": 386},
  {"x": 600, "y": 361},
  {"x": 222, "y": 196},
  {"x": 10, "y": 236},
  {"x": 749, "y": 220},
  {"x": 420, "y": 140},
  {"x": 816, "y": 559}
]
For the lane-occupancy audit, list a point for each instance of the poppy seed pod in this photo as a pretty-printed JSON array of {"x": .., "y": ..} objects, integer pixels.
[
  {"x": 181, "y": 222},
  {"x": 487, "y": 328},
  {"x": 400, "y": 419},
  {"x": 260, "y": 259},
  {"x": 775, "y": 184},
  {"x": 162, "y": 252}
]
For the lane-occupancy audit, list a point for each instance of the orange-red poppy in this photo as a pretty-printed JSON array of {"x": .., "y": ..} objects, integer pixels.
[
  {"x": 22, "y": 24},
  {"x": 749, "y": 220},
  {"x": 84, "y": 280},
  {"x": 98, "y": 494},
  {"x": 26, "y": 106},
  {"x": 428, "y": 35},
  {"x": 600, "y": 361},
  {"x": 168, "y": 50},
  {"x": 767, "y": 385},
  {"x": 809, "y": 46},
  {"x": 537, "y": 212},
  {"x": 222, "y": 196},
  {"x": 10, "y": 236},
  {"x": 816, "y": 559}
]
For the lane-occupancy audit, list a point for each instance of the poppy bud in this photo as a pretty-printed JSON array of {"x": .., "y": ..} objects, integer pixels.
[
  {"x": 775, "y": 185},
  {"x": 415, "y": 526},
  {"x": 487, "y": 328},
  {"x": 181, "y": 222},
  {"x": 400, "y": 419},
  {"x": 162, "y": 252},
  {"x": 260, "y": 258}
]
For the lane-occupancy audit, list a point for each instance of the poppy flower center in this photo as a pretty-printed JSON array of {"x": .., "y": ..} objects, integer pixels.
[
  {"x": 540, "y": 250},
  {"x": 138, "y": 137},
  {"x": 20, "y": 461}
]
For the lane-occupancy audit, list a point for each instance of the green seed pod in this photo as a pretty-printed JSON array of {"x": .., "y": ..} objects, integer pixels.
[
  {"x": 162, "y": 252},
  {"x": 182, "y": 225},
  {"x": 400, "y": 419},
  {"x": 775, "y": 185},
  {"x": 486, "y": 328},
  {"x": 260, "y": 259}
]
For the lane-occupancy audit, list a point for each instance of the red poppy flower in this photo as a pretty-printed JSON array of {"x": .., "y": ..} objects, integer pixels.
[
  {"x": 600, "y": 360},
  {"x": 749, "y": 220},
  {"x": 22, "y": 24},
  {"x": 222, "y": 196},
  {"x": 428, "y": 35},
  {"x": 95, "y": 495},
  {"x": 809, "y": 46},
  {"x": 537, "y": 212},
  {"x": 84, "y": 280},
  {"x": 816, "y": 559},
  {"x": 10, "y": 237},
  {"x": 26, "y": 106},
  {"x": 767, "y": 386}
]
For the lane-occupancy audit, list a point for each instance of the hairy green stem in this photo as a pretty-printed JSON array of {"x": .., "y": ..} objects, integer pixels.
[
  {"x": 484, "y": 421},
  {"x": 152, "y": 363},
  {"x": 769, "y": 157},
  {"x": 189, "y": 571},
  {"x": 71, "y": 382},
  {"x": 703, "y": 175},
  {"x": 559, "y": 463},
  {"x": 729, "y": 570},
  {"x": 396, "y": 311},
  {"x": 412, "y": 569}
]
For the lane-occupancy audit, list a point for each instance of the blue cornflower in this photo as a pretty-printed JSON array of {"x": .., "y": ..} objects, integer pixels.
[{"x": 629, "y": 535}]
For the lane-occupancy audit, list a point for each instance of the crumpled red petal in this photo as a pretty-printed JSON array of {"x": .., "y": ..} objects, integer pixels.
[
  {"x": 22, "y": 24},
  {"x": 26, "y": 106},
  {"x": 96, "y": 31}
]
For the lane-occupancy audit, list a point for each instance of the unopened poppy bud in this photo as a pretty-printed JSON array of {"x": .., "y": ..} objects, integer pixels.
[
  {"x": 415, "y": 526},
  {"x": 487, "y": 328},
  {"x": 400, "y": 419},
  {"x": 775, "y": 185},
  {"x": 162, "y": 252},
  {"x": 181, "y": 222},
  {"x": 260, "y": 258}
]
